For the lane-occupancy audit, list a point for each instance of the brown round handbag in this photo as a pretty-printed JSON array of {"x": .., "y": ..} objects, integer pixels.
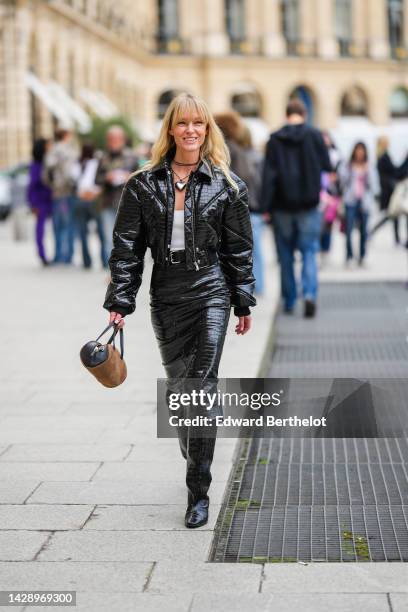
[{"x": 104, "y": 360}]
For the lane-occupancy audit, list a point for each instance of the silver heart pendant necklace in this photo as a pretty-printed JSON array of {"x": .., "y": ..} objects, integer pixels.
[{"x": 182, "y": 182}]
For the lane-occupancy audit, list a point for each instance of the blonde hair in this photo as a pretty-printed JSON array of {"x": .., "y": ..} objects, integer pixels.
[
  {"x": 382, "y": 145},
  {"x": 213, "y": 148}
]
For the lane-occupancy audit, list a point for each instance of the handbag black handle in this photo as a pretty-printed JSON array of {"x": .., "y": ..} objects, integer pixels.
[{"x": 112, "y": 338}]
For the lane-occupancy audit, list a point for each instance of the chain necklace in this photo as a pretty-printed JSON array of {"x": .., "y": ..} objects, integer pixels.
[{"x": 182, "y": 182}]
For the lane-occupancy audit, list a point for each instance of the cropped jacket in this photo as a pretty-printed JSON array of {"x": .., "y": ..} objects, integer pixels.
[{"x": 216, "y": 220}]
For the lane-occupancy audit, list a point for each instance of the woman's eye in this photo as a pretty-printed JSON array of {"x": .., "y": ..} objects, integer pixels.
[
  {"x": 181, "y": 123},
  {"x": 199, "y": 123}
]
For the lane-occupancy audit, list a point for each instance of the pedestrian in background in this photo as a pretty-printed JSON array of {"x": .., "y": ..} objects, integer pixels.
[
  {"x": 295, "y": 158},
  {"x": 256, "y": 160},
  {"x": 245, "y": 163},
  {"x": 115, "y": 167},
  {"x": 59, "y": 175},
  {"x": 389, "y": 175},
  {"x": 86, "y": 210},
  {"x": 358, "y": 185},
  {"x": 39, "y": 195},
  {"x": 330, "y": 195}
]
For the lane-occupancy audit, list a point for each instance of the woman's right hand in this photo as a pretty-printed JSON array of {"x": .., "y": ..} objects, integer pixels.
[{"x": 116, "y": 317}]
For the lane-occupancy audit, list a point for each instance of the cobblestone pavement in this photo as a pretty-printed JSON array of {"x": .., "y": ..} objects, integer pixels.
[{"x": 91, "y": 501}]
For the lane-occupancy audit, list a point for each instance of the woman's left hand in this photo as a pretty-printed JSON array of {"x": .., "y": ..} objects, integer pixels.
[{"x": 244, "y": 325}]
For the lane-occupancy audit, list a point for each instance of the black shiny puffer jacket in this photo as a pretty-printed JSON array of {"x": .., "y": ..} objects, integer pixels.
[{"x": 216, "y": 219}]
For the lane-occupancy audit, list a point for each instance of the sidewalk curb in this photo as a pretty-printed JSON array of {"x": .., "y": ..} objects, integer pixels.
[{"x": 240, "y": 450}]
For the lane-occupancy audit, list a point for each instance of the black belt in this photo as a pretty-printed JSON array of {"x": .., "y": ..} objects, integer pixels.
[{"x": 203, "y": 258}]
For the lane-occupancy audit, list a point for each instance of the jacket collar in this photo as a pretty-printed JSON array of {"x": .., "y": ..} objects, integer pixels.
[{"x": 205, "y": 168}]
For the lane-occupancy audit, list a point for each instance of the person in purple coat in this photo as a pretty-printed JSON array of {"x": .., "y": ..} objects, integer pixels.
[{"x": 39, "y": 195}]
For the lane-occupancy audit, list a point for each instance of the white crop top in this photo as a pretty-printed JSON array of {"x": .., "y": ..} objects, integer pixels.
[{"x": 177, "y": 237}]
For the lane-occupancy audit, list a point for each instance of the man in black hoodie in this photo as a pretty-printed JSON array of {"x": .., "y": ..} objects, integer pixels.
[{"x": 295, "y": 158}]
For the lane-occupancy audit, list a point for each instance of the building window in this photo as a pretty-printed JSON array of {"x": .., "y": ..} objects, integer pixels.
[
  {"x": 164, "y": 100},
  {"x": 290, "y": 25},
  {"x": 396, "y": 28},
  {"x": 246, "y": 101},
  {"x": 235, "y": 24},
  {"x": 399, "y": 103},
  {"x": 168, "y": 30},
  {"x": 343, "y": 26},
  {"x": 354, "y": 103}
]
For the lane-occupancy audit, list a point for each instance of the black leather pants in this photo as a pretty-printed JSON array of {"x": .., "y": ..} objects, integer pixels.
[{"x": 190, "y": 312}]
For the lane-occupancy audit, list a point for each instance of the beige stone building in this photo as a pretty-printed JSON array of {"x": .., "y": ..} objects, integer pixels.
[{"x": 64, "y": 61}]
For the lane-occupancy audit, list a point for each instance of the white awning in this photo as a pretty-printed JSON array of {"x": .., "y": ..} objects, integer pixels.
[
  {"x": 110, "y": 106},
  {"x": 81, "y": 118},
  {"x": 41, "y": 92},
  {"x": 99, "y": 103}
]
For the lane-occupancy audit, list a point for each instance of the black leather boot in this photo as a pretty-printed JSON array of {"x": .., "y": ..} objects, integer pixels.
[{"x": 197, "y": 513}]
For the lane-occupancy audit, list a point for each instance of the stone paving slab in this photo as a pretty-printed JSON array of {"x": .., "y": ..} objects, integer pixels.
[
  {"x": 158, "y": 471},
  {"x": 157, "y": 450},
  {"x": 145, "y": 427},
  {"x": 66, "y": 452},
  {"x": 56, "y": 435},
  {"x": 47, "y": 470},
  {"x": 170, "y": 471},
  {"x": 151, "y": 452},
  {"x": 148, "y": 546},
  {"x": 104, "y": 577},
  {"x": 21, "y": 545},
  {"x": 336, "y": 578},
  {"x": 132, "y": 436},
  {"x": 335, "y": 602},
  {"x": 200, "y": 577},
  {"x": 41, "y": 517},
  {"x": 399, "y": 602},
  {"x": 112, "y": 492},
  {"x": 16, "y": 492},
  {"x": 90, "y": 405},
  {"x": 126, "y": 602},
  {"x": 15, "y": 394},
  {"x": 124, "y": 399},
  {"x": 91, "y": 392},
  {"x": 14, "y": 408},
  {"x": 156, "y": 518},
  {"x": 65, "y": 421}
]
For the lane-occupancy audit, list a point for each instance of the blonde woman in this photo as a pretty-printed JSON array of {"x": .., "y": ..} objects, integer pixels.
[{"x": 192, "y": 212}]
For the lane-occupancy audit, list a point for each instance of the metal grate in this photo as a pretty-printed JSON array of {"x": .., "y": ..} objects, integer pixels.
[
  {"x": 326, "y": 500},
  {"x": 319, "y": 533},
  {"x": 394, "y": 349}
]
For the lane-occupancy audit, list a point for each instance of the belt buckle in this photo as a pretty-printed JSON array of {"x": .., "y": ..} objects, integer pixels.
[{"x": 172, "y": 261}]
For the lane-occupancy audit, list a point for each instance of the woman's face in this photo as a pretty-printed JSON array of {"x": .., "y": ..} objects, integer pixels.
[
  {"x": 189, "y": 133},
  {"x": 359, "y": 155}
]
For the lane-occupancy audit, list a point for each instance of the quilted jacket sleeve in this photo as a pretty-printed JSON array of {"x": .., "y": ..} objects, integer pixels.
[
  {"x": 236, "y": 249},
  {"x": 127, "y": 257}
]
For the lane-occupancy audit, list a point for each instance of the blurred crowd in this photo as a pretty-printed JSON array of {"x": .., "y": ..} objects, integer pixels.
[
  {"x": 76, "y": 190},
  {"x": 303, "y": 187},
  {"x": 300, "y": 185}
]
